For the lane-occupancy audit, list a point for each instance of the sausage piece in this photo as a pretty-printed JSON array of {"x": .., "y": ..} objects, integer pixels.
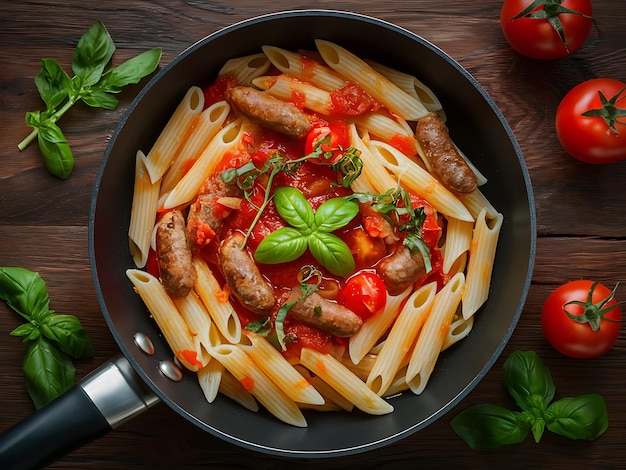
[
  {"x": 401, "y": 269},
  {"x": 243, "y": 276},
  {"x": 269, "y": 111},
  {"x": 315, "y": 310},
  {"x": 453, "y": 171},
  {"x": 204, "y": 220},
  {"x": 175, "y": 260}
]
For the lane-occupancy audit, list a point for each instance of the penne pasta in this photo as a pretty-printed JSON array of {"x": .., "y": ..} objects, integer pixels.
[
  {"x": 207, "y": 125},
  {"x": 175, "y": 132},
  {"x": 388, "y": 129},
  {"x": 401, "y": 338},
  {"x": 167, "y": 317},
  {"x": 348, "y": 385},
  {"x": 232, "y": 388},
  {"x": 376, "y": 175},
  {"x": 417, "y": 179},
  {"x": 383, "y": 90},
  {"x": 220, "y": 309},
  {"x": 410, "y": 84},
  {"x": 303, "y": 68},
  {"x": 375, "y": 327},
  {"x": 254, "y": 381},
  {"x": 199, "y": 322},
  {"x": 458, "y": 239},
  {"x": 226, "y": 140},
  {"x": 245, "y": 69},
  {"x": 280, "y": 371},
  {"x": 142, "y": 212},
  {"x": 476, "y": 202},
  {"x": 480, "y": 264},
  {"x": 459, "y": 329},
  {"x": 209, "y": 378},
  {"x": 433, "y": 335}
]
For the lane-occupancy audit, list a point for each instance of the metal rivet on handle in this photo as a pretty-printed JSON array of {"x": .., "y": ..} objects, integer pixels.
[
  {"x": 144, "y": 343},
  {"x": 171, "y": 370}
]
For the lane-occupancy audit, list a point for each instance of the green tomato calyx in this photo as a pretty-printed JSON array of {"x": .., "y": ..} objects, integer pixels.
[
  {"x": 609, "y": 112},
  {"x": 550, "y": 11},
  {"x": 593, "y": 314}
]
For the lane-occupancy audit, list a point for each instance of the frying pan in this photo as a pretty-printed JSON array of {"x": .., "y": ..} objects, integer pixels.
[{"x": 145, "y": 374}]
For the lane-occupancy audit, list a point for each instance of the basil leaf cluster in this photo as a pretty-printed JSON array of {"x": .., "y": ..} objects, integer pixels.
[
  {"x": 310, "y": 230},
  {"x": 530, "y": 384},
  {"x": 95, "y": 82},
  {"x": 53, "y": 340}
]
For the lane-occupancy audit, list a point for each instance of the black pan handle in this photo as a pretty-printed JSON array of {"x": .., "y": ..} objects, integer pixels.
[{"x": 104, "y": 400}]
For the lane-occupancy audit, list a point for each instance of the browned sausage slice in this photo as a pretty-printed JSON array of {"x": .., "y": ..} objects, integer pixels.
[
  {"x": 175, "y": 260},
  {"x": 401, "y": 269},
  {"x": 243, "y": 276},
  {"x": 269, "y": 111},
  {"x": 204, "y": 221},
  {"x": 324, "y": 314},
  {"x": 453, "y": 171}
]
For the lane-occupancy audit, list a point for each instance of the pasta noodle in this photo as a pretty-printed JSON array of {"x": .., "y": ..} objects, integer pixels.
[
  {"x": 480, "y": 265},
  {"x": 247, "y": 68},
  {"x": 358, "y": 71},
  {"x": 164, "y": 149},
  {"x": 434, "y": 333},
  {"x": 143, "y": 212},
  {"x": 166, "y": 315}
]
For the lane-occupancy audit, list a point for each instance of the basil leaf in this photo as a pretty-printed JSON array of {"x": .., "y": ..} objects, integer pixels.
[
  {"x": 56, "y": 151},
  {"x": 581, "y": 417},
  {"x": 489, "y": 427},
  {"x": 335, "y": 213},
  {"x": 53, "y": 83},
  {"x": 294, "y": 208},
  {"x": 69, "y": 334},
  {"x": 28, "y": 331},
  {"x": 281, "y": 246},
  {"x": 332, "y": 252},
  {"x": 24, "y": 291},
  {"x": 48, "y": 372},
  {"x": 528, "y": 381},
  {"x": 131, "y": 71},
  {"x": 93, "y": 53},
  {"x": 100, "y": 99}
]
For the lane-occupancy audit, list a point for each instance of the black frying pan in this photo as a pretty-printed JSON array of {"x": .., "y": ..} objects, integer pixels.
[{"x": 118, "y": 390}]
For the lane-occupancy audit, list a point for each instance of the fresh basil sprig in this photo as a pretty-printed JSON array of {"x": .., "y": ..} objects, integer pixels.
[
  {"x": 95, "y": 81},
  {"x": 309, "y": 230},
  {"x": 53, "y": 340},
  {"x": 530, "y": 383}
]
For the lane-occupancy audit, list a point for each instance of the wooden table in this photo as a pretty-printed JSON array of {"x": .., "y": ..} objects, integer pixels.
[{"x": 580, "y": 213}]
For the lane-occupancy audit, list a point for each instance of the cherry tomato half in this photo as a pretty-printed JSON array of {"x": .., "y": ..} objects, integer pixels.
[
  {"x": 532, "y": 35},
  {"x": 333, "y": 140},
  {"x": 365, "y": 294},
  {"x": 591, "y": 121},
  {"x": 581, "y": 319}
]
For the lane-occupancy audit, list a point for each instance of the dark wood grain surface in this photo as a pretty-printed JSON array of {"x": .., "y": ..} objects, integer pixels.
[{"x": 580, "y": 213}]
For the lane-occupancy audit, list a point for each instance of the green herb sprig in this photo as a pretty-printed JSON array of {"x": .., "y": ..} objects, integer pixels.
[
  {"x": 530, "y": 383},
  {"x": 95, "y": 81},
  {"x": 53, "y": 340},
  {"x": 395, "y": 207}
]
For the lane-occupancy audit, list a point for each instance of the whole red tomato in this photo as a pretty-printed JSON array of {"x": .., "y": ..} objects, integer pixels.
[
  {"x": 364, "y": 293},
  {"x": 581, "y": 319},
  {"x": 591, "y": 121},
  {"x": 546, "y": 29}
]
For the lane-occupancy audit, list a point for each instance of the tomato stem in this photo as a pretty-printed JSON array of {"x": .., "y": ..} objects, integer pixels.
[
  {"x": 593, "y": 313},
  {"x": 609, "y": 112}
]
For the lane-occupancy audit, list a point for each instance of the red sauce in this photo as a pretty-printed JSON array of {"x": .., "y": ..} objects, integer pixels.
[
  {"x": 352, "y": 100},
  {"x": 215, "y": 92},
  {"x": 404, "y": 144}
]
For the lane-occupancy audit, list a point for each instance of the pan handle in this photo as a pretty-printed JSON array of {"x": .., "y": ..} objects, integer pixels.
[{"x": 104, "y": 400}]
